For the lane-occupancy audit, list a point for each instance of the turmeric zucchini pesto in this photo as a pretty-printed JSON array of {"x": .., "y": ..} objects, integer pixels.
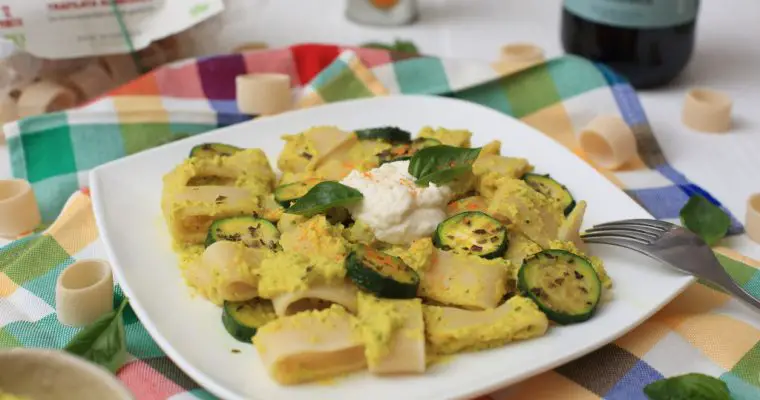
[{"x": 376, "y": 249}]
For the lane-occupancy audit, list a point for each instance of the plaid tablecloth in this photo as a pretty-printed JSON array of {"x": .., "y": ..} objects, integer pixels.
[{"x": 702, "y": 330}]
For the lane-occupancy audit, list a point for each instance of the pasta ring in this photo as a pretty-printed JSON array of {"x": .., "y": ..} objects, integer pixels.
[
  {"x": 84, "y": 292},
  {"x": 43, "y": 97},
  {"x": 707, "y": 110},
  {"x": 752, "y": 218},
  {"x": 609, "y": 141},
  {"x": 521, "y": 52},
  {"x": 264, "y": 94},
  {"x": 19, "y": 212}
]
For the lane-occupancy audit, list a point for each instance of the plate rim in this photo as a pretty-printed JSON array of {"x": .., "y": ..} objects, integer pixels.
[{"x": 226, "y": 393}]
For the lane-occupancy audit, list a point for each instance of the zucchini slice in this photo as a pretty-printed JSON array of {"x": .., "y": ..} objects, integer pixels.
[
  {"x": 552, "y": 189},
  {"x": 390, "y": 134},
  {"x": 253, "y": 232},
  {"x": 213, "y": 149},
  {"x": 565, "y": 286},
  {"x": 421, "y": 143},
  {"x": 405, "y": 151},
  {"x": 381, "y": 274},
  {"x": 472, "y": 232},
  {"x": 287, "y": 194},
  {"x": 242, "y": 319}
]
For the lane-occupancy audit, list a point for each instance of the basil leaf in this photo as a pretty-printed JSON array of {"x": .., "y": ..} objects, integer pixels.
[
  {"x": 688, "y": 387},
  {"x": 704, "y": 218},
  {"x": 103, "y": 342},
  {"x": 441, "y": 164},
  {"x": 324, "y": 196}
]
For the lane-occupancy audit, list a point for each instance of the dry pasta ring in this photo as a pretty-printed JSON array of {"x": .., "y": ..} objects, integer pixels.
[
  {"x": 43, "y": 97},
  {"x": 19, "y": 212},
  {"x": 90, "y": 82},
  {"x": 707, "y": 110},
  {"x": 522, "y": 52},
  {"x": 8, "y": 113},
  {"x": 250, "y": 46},
  {"x": 264, "y": 94},
  {"x": 84, "y": 292},
  {"x": 120, "y": 67},
  {"x": 609, "y": 141},
  {"x": 752, "y": 218}
]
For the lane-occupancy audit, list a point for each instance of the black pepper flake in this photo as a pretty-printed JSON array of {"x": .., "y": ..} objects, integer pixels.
[
  {"x": 235, "y": 351},
  {"x": 588, "y": 303},
  {"x": 220, "y": 199},
  {"x": 240, "y": 307},
  {"x": 306, "y": 155},
  {"x": 494, "y": 239},
  {"x": 253, "y": 230},
  {"x": 467, "y": 222},
  {"x": 583, "y": 289},
  {"x": 481, "y": 241},
  {"x": 445, "y": 248},
  {"x": 549, "y": 256},
  {"x": 261, "y": 241},
  {"x": 571, "y": 261},
  {"x": 527, "y": 222},
  {"x": 450, "y": 237},
  {"x": 480, "y": 231},
  {"x": 578, "y": 275},
  {"x": 309, "y": 268},
  {"x": 559, "y": 281},
  {"x": 272, "y": 245}
]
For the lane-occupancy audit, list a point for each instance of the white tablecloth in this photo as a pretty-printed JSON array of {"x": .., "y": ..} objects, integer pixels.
[{"x": 727, "y": 57}]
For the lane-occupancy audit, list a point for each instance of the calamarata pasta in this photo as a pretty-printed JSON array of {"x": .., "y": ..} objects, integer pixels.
[{"x": 373, "y": 249}]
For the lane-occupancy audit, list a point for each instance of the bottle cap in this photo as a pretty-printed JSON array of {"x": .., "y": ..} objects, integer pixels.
[
  {"x": 263, "y": 94},
  {"x": 609, "y": 141},
  {"x": 707, "y": 110},
  {"x": 19, "y": 213}
]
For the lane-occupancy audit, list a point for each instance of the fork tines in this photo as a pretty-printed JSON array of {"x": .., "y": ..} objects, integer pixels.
[{"x": 643, "y": 231}]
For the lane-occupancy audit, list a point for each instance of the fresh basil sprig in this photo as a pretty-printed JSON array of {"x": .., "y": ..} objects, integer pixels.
[
  {"x": 704, "y": 218},
  {"x": 688, "y": 387},
  {"x": 441, "y": 164},
  {"x": 324, "y": 196},
  {"x": 103, "y": 342}
]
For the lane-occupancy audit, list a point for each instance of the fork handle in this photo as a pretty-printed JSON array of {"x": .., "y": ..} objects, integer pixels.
[{"x": 722, "y": 279}]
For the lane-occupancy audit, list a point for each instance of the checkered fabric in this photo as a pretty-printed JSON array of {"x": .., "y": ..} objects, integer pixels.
[{"x": 702, "y": 330}]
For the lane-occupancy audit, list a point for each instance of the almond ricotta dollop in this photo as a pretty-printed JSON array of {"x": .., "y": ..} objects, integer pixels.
[{"x": 394, "y": 207}]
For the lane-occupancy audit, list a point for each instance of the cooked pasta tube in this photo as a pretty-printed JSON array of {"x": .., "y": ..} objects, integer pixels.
[
  {"x": 465, "y": 281},
  {"x": 451, "y": 330},
  {"x": 393, "y": 334},
  {"x": 232, "y": 267},
  {"x": 311, "y": 345},
  {"x": 190, "y": 211},
  {"x": 570, "y": 229},
  {"x": 316, "y": 297}
]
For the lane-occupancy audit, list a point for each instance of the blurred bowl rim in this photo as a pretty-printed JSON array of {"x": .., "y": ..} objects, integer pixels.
[{"x": 74, "y": 366}]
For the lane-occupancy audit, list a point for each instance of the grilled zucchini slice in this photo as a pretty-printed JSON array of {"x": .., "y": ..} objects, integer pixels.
[
  {"x": 287, "y": 194},
  {"x": 472, "y": 232},
  {"x": 253, "y": 232},
  {"x": 209, "y": 150},
  {"x": 390, "y": 134},
  {"x": 552, "y": 189},
  {"x": 242, "y": 319},
  {"x": 381, "y": 274},
  {"x": 565, "y": 286}
]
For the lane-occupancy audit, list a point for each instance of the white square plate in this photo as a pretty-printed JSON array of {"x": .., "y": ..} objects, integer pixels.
[{"x": 127, "y": 195}]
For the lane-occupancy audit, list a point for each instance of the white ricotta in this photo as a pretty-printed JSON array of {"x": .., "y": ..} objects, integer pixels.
[{"x": 394, "y": 207}]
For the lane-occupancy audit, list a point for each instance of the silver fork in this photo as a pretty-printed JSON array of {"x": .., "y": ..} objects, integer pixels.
[{"x": 672, "y": 245}]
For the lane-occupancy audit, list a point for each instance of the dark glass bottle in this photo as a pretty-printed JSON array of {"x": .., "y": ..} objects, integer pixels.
[{"x": 647, "y": 41}]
